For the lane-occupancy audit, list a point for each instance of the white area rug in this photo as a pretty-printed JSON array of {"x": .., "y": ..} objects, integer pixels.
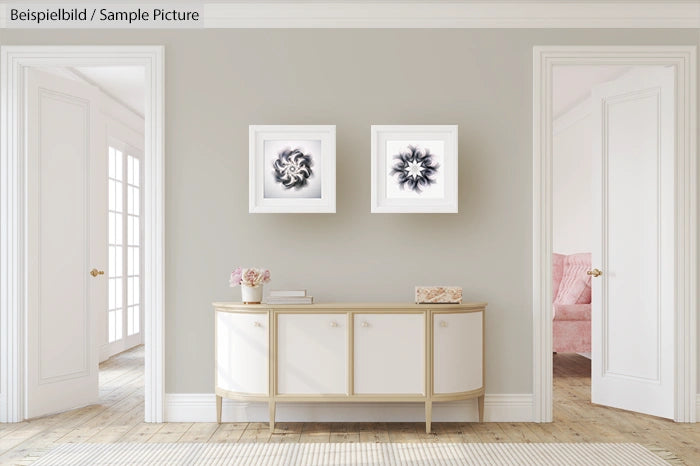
[{"x": 255, "y": 454}]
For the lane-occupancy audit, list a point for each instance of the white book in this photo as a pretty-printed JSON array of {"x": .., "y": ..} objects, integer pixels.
[
  {"x": 287, "y": 293},
  {"x": 289, "y": 300}
]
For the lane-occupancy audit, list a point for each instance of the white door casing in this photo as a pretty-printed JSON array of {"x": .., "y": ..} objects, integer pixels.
[
  {"x": 389, "y": 353},
  {"x": 633, "y": 239},
  {"x": 14, "y": 61},
  {"x": 683, "y": 61},
  {"x": 67, "y": 226},
  {"x": 312, "y": 354}
]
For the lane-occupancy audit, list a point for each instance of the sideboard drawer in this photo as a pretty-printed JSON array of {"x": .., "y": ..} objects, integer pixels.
[
  {"x": 242, "y": 345},
  {"x": 389, "y": 353},
  {"x": 312, "y": 354}
]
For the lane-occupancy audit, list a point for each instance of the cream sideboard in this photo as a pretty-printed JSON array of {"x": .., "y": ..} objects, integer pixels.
[{"x": 349, "y": 352}]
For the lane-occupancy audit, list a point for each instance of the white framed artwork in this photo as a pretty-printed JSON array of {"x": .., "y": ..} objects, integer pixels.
[
  {"x": 414, "y": 168},
  {"x": 291, "y": 169}
]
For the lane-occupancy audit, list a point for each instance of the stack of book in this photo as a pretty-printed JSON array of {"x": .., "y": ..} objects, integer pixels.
[{"x": 289, "y": 297}]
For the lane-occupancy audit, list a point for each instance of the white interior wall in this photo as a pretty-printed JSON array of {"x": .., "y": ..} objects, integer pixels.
[{"x": 571, "y": 188}]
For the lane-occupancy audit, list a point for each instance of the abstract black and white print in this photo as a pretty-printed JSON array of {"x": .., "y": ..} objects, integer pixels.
[
  {"x": 415, "y": 169},
  {"x": 292, "y": 169}
]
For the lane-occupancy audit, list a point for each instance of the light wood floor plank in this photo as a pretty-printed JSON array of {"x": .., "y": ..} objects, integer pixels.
[{"x": 119, "y": 418}]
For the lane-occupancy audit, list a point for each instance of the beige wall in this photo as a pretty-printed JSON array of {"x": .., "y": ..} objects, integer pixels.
[{"x": 220, "y": 81}]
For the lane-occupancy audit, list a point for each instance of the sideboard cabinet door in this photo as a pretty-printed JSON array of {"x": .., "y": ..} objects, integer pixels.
[
  {"x": 242, "y": 352},
  {"x": 312, "y": 354},
  {"x": 457, "y": 352},
  {"x": 389, "y": 353}
]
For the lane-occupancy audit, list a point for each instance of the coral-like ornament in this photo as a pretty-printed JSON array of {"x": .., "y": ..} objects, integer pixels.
[{"x": 293, "y": 168}]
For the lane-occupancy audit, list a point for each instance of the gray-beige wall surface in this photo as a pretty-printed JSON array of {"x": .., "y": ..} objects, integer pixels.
[{"x": 220, "y": 81}]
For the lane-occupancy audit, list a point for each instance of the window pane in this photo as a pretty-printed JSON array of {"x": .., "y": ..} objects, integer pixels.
[
  {"x": 111, "y": 228},
  {"x": 130, "y": 169},
  {"x": 118, "y": 228},
  {"x": 110, "y": 194},
  {"x": 112, "y": 294},
  {"x": 118, "y": 196},
  {"x": 118, "y": 266},
  {"x": 134, "y": 260},
  {"x": 112, "y": 329},
  {"x": 119, "y": 166},
  {"x": 133, "y": 200},
  {"x": 137, "y": 319},
  {"x": 130, "y": 321},
  {"x": 110, "y": 267},
  {"x": 137, "y": 179},
  {"x": 137, "y": 201},
  {"x": 137, "y": 290},
  {"x": 119, "y": 324},
  {"x": 118, "y": 293},
  {"x": 136, "y": 232},
  {"x": 111, "y": 162}
]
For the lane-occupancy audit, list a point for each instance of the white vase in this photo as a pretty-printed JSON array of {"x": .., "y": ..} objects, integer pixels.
[{"x": 251, "y": 294}]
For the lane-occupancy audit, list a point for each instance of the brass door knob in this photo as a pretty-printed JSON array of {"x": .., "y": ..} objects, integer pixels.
[
  {"x": 595, "y": 272},
  {"x": 95, "y": 272}
]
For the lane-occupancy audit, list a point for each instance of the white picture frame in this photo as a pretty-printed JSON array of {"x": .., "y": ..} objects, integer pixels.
[
  {"x": 291, "y": 169},
  {"x": 414, "y": 168}
]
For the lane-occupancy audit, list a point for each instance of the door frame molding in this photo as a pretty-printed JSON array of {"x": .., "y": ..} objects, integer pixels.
[
  {"x": 14, "y": 61},
  {"x": 684, "y": 59}
]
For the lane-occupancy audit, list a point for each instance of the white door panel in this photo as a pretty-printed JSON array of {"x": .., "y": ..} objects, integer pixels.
[
  {"x": 63, "y": 221},
  {"x": 312, "y": 353},
  {"x": 633, "y": 204},
  {"x": 389, "y": 353}
]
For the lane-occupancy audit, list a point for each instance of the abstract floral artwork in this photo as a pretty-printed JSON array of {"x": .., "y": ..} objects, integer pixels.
[
  {"x": 414, "y": 169},
  {"x": 292, "y": 169}
]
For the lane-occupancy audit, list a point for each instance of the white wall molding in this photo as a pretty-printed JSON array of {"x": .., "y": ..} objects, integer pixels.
[
  {"x": 13, "y": 62},
  {"x": 684, "y": 59},
  {"x": 201, "y": 407},
  {"x": 458, "y": 14}
]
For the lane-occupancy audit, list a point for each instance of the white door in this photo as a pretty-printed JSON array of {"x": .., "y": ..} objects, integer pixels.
[
  {"x": 633, "y": 242},
  {"x": 389, "y": 354},
  {"x": 67, "y": 231},
  {"x": 312, "y": 354}
]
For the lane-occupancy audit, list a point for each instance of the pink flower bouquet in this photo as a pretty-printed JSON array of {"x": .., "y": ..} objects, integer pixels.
[{"x": 250, "y": 276}]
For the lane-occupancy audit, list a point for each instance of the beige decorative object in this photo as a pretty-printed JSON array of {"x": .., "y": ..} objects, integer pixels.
[{"x": 438, "y": 294}]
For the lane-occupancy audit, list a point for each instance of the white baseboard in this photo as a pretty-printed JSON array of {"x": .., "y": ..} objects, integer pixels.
[
  {"x": 201, "y": 407},
  {"x": 697, "y": 408}
]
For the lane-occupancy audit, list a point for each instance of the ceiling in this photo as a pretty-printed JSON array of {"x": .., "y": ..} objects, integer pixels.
[
  {"x": 124, "y": 83},
  {"x": 572, "y": 84}
]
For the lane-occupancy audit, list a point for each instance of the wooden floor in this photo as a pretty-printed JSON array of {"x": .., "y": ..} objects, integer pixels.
[{"x": 119, "y": 418}]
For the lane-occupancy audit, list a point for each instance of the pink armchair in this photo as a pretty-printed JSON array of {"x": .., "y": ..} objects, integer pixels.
[{"x": 571, "y": 292}]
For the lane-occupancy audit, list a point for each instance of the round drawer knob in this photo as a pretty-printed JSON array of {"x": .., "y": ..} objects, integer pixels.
[
  {"x": 443, "y": 323},
  {"x": 365, "y": 324},
  {"x": 334, "y": 324}
]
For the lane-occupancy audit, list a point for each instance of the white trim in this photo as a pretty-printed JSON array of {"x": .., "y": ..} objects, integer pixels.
[
  {"x": 683, "y": 58},
  {"x": 457, "y": 14},
  {"x": 13, "y": 61},
  {"x": 201, "y": 407}
]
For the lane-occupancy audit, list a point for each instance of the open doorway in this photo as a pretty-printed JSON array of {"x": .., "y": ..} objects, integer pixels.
[
  {"x": 644, "y": 241},
  {"x": 572, "y": 228},
  {"x": 118, "y": 302}
]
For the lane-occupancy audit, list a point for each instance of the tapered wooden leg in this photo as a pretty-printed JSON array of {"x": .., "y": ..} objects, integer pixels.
[
  {"x": 272, "y": 415},
  {"x": 218, "y": 409},
  {"x": 481, "y": 408},
  {"x": 428, "y": 415}
]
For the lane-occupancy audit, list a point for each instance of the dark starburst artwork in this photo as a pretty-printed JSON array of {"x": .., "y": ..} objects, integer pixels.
[
  {"x": 416, "y": 169},
  {"x": 292, "y": 168}
]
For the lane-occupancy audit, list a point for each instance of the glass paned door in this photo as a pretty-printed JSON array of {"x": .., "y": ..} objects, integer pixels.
[{"x": 124, "y": 243}]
